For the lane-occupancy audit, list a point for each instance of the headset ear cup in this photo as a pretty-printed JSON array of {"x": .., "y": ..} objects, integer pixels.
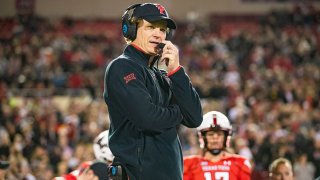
[
  {"x": 132, "y": 31},
  {"x": 129, "y": 27},
  {"x": 125, "y": 26}
]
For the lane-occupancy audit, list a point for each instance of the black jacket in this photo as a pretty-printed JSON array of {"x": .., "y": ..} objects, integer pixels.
[{"x": 145, "y": 113}]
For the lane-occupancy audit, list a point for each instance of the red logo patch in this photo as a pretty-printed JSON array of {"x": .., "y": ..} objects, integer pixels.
[
  {"x": 214, "y": 119},
  {"x": 129, "y": 77},
  {"x": 161, "y": 9}
]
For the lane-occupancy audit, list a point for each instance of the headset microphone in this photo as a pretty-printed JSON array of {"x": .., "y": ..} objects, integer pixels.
[{"x": 159, "y": 50}]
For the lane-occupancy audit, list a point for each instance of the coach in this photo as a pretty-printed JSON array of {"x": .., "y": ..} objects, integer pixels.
[{"x": 147, "y": 105}]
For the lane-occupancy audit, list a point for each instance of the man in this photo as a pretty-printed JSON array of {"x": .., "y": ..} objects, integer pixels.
[
  {"x": 147, "y": 105},
  {"x": 281, "y": 169},
  {"x": 216, "y": 162}
]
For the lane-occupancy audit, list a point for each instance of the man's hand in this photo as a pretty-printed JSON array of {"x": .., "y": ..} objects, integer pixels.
[{"x": 170, "y": 54}]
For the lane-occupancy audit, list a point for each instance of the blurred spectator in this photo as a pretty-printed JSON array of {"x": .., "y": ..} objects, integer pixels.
[
  {"x": 316, "y": 154},
  {"x": 4, "y": 165},
  {"x": 241, "y": 148},
  {"x": 281, "y": 168},
  {"x": 303, "y": 169}
]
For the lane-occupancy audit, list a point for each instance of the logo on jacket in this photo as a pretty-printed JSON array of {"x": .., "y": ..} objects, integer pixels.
[{"x": 129, "y": 77}]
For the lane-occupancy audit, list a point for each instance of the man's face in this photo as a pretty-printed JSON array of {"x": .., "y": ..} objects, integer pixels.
[
  {"x": 149, "y": 35},
  {"x": 282, "y": 172},
  {"x": 215, "y": 139}
]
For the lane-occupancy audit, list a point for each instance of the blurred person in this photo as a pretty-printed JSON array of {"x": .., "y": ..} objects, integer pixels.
[
  {"x": 146, "y": 104},
  {"x": 303, "y": 169},
  {"x": 25, "y": 170},
  {"x": 95, "y": 169},
  {"x": 4, "y": 165},
  {"x": 5, "y": 143},
  {"x": 281, "y": 169},
  {"x": 62, "y": 167},
  {"x": 242, "y": 148},
  {"x": 40, "y": 162},
  {"x": 239, "y": 110},
  {"x": 216, "y": 161},
  {"x": 316, "y": 153}
]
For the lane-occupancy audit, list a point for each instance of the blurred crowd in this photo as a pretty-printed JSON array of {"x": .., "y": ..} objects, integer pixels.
[{"x": 266, "y": 79}]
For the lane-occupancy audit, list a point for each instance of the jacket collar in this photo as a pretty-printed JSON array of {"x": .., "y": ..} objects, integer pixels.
[{"x": 137, "y": 55}]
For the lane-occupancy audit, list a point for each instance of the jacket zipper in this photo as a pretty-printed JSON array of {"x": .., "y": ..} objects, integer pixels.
[{"x": 155, "y": 80}]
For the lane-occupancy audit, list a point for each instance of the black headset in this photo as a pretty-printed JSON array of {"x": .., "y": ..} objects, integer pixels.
[{"x": 129, "y": 24}]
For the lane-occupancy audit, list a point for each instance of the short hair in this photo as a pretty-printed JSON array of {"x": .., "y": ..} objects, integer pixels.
[{"x": 276, "y": 163}]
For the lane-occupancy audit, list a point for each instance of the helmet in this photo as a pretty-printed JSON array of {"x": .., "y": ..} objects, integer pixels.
[
  {"x": 101, "y": 147},
  {"x": 214, "y": 121}
]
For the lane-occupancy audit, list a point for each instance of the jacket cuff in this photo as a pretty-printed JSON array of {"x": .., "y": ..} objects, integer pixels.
[{"x": 174, "y": 71}]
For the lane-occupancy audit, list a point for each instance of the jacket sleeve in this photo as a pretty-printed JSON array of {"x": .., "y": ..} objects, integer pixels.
[
  {"x": 126, "y": 88},
  {"x": 187, "y": 98}
]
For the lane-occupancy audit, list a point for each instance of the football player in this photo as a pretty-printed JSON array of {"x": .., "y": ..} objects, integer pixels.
[
  {"x": 96, "y": 169},
  {"x": 216, "y": 162}
]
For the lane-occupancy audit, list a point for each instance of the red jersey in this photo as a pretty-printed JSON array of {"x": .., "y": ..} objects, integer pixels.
[
  {"x": 232, "y": 167},
  {"x": 74, "y": 174}
]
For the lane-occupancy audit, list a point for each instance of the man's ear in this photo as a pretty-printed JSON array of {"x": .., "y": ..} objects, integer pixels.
[{"x": 228, "y": 141}]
